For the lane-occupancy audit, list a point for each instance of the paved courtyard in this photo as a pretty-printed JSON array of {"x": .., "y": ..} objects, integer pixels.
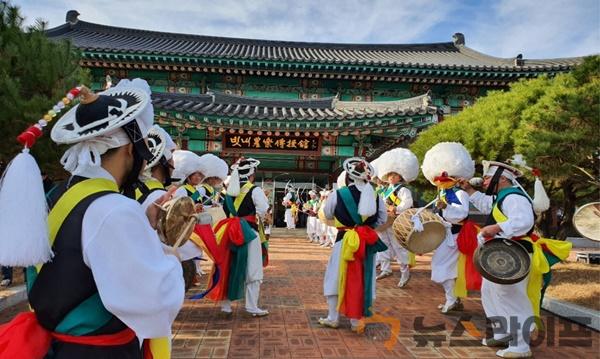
[{"x": 292, "y": 292}]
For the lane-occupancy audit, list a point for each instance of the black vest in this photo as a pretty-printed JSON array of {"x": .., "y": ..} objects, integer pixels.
[
  {"x": 207, "y": 197},
  {"x": 65, "y": 282},
  {"x": 343, "y": 216},
  {"x": 247, "y": 207},
  {"x": 499, "y": 202}
]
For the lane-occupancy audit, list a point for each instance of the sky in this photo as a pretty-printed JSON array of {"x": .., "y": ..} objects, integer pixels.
[{"x": 504, "y": 28}]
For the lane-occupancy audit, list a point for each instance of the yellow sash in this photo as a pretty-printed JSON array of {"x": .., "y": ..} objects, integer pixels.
[
  {"x": 539, "y": 262},
  {"x": 243, "y": 192},
  {"x": 190, "y": 188},
  {"x": 151, "y": 185},
  {"x": 350, "y": 244}
]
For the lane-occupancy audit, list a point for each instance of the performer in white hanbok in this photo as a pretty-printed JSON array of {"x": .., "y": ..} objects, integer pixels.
[
  {"x": 349, "y": 283},
  {"x": 109, "y": 284},
  {"x": 214, "y": 170},
  {"x": 289, "y": 202},
  {"x": 330, "y": 236},
  {"x": 396, "y": 168},
  {"x": 511, "y": 216},
  {"x": 321, "y": 228},
  {"x": 187, "y": 174},
  {"x": 157, "y": 176},
  {"x": 443, "y": 164},
  {"x": 311, "y": 207},
  {"x": 158, "y": 172},
  {"x": 239, "y": 241}
]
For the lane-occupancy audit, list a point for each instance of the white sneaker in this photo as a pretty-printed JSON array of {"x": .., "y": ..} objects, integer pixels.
[
  {"x": 258, "y": 312},
  {"x": 383, "y": 275},
  {"x": 491, "y": 342},
  {"x": 505, "y": 353},
  {"x": 404, "y": 278},
  {"x": 5, "y": 283},
  {"x": 226, "y": 307},
  {"x": 457, "y": 305},
  {"x": 325, "y": 322}
]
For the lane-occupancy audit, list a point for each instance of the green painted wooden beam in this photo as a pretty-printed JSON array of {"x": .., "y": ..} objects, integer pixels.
[{"x": 288, "y": 65}]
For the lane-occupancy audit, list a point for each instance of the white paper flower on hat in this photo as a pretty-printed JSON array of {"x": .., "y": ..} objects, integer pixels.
[
  {"x": 376, "y": 163},
  {"x": 399, "y": 160},
  {"x": 186, "y": 163},
  {"x": 213, "y": 166},
  {"x": 450, "y": 157}
]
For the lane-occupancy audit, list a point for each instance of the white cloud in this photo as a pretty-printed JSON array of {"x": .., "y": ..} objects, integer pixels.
[
  {"x": 538, "y": 29},
  {"x": 315, "y": 20}
]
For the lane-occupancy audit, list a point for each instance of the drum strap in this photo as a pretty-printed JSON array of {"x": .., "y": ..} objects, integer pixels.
[
  {"x": 142, "y": 192},
  {"x": 209, "y": 193},
  {"x": 192, "y": 192},
  {"x": 71, "y": 198},
  {"x": 390, "y": 193}
]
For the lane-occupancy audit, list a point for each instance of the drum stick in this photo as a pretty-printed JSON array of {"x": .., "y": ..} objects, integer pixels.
[
  {"x": 191, "y": 222},
  {"x": 427, "y": 205},
  {"x": 480, "y": 238}
]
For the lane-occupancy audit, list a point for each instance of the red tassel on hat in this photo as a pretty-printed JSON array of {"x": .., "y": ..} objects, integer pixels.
[{"x": 28, "y": 137}]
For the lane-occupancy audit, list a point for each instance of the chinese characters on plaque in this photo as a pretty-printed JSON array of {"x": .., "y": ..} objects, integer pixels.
[{"x": 301, "y": 144}]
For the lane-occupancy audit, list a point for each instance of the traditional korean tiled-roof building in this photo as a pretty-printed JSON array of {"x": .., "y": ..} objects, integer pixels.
[{"x": 299, "y": 107}]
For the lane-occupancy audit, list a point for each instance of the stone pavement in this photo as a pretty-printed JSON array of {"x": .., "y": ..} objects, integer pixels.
[{"x": 292, "y": 292}]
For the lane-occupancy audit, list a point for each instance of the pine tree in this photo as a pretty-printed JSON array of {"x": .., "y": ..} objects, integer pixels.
[
  {"x": 35, "y": 73},
  {"x": 553, "y": 122}
]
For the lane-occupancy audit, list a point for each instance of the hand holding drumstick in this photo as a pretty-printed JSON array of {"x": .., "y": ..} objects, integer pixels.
[{"x": 153, "y": 211}]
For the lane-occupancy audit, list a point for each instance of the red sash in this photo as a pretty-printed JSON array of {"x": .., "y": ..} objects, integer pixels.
[
  {"x": 233, "y": 235},
  {"x": 467, "y": 244},
  {"x": 354, "y": 297},
  {"x": 24, "y": 337}
]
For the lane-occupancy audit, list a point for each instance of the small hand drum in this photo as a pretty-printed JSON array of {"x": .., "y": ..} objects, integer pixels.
[
  {"x": 433, "y": 234},
  {"x": 176, "y": 221},
  {"x": 502, "y": 261},
  {"x": 587, "y": 221}
]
